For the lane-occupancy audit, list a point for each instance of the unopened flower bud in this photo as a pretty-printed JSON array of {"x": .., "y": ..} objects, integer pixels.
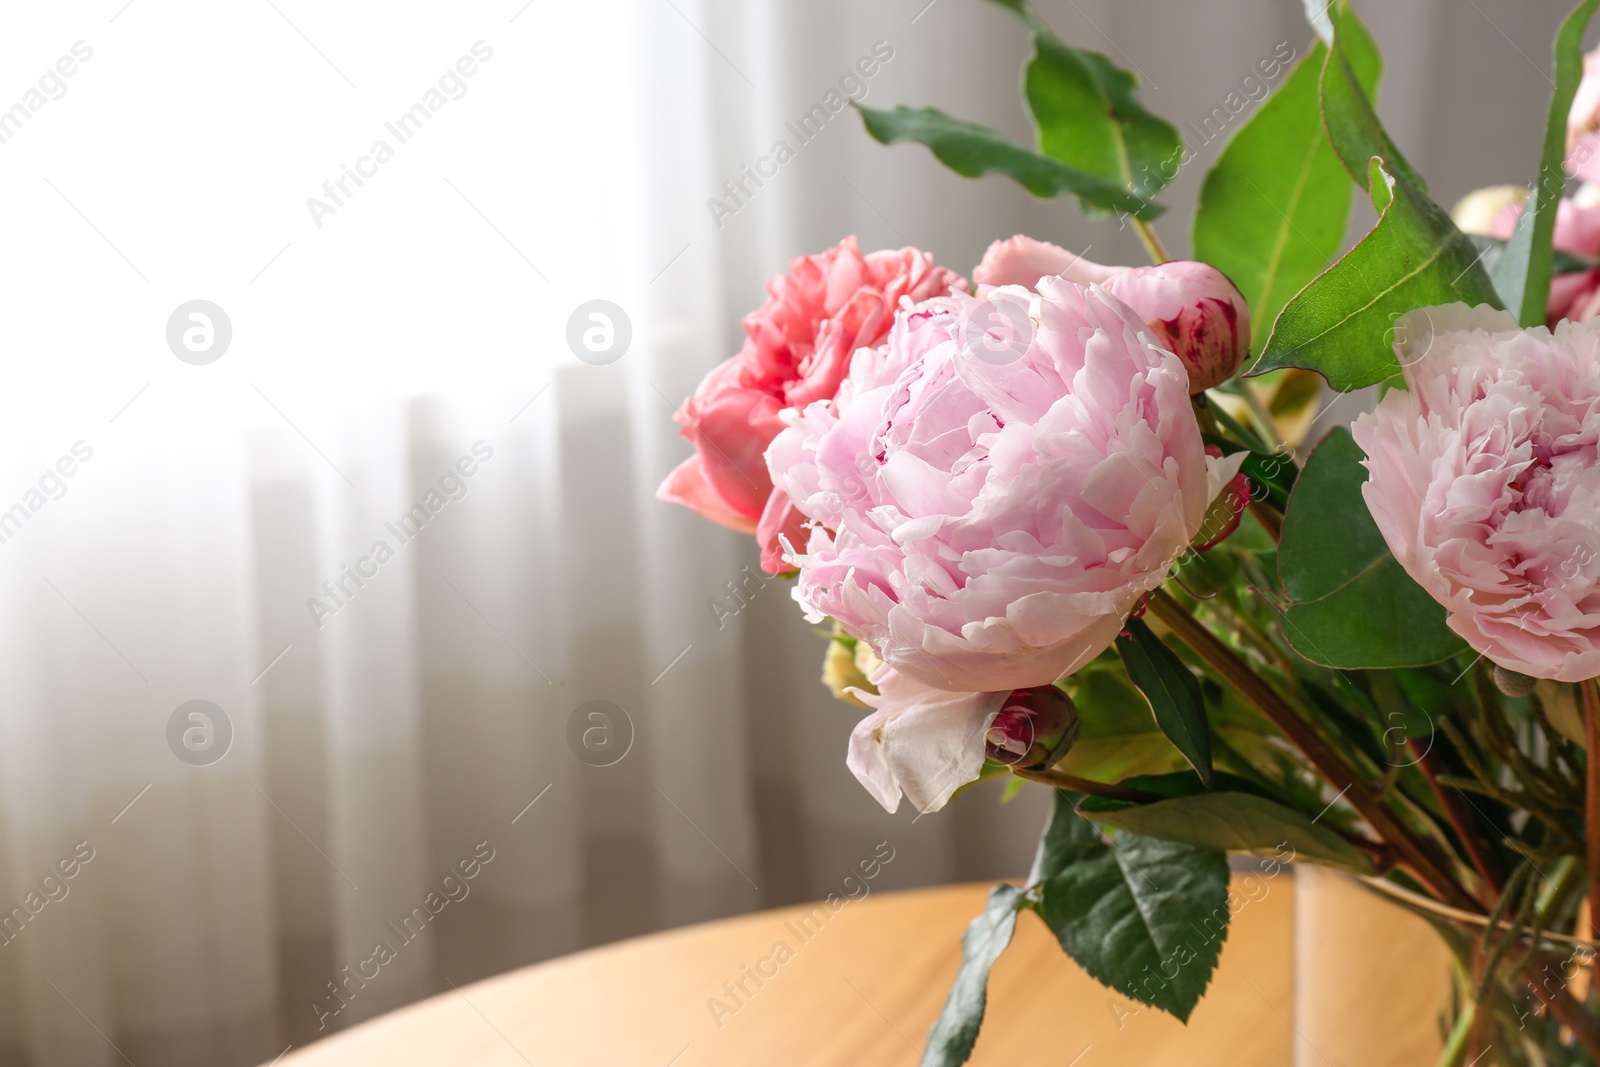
[
  {"x": 1034, "y": 729},
  {"x": 1194, "y": 311},
  {"x": 1513, "y": 684}
]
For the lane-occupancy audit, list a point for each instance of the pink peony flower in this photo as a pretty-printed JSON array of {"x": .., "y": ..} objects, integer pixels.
[
  {"x": 1583, "y": 123},
  {"x": 1485, "y": 480},
  {"x": 1493, "y": 212},
  {"x": 797, "y": 349},
  {"x": 1192, "y": 308},
  {"x": 986, "y": 512}
]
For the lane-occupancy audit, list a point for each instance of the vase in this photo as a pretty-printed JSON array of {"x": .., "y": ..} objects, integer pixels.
[{"x": 1372, "y": 981}]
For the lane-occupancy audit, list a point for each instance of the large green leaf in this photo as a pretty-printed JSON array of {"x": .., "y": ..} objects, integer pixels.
[
  {"x": 953, "y": 1033},
  {"x": 1523, "y": 273},
  {"x": 1088, "y": 115},
  {"x": 1233, "y": 822},
  {"x": 1352, "y": 606},
  {"x": 1065, "y": 839},
  {"x": 1273, "y": 210},
  {"x": 1145, "y": 917},
  {"x": 1341, "y": 325},
  {"x": 1347, "y": 113},
  {"x": 1173, "y": 693},
  {"x": 972, "y": 150}
]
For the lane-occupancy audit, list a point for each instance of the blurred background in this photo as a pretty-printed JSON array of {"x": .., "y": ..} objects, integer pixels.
[{"x": 388, "y": 362}]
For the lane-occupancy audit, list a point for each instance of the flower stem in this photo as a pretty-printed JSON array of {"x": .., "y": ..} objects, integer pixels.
[
  {"x": 1152, "y": 243},
  {"x": 1328, "y": 762},
  {"x": 1450, "y": 802}
]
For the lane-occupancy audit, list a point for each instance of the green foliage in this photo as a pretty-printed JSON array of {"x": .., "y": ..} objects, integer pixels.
[
  {"x": 1273, "y": 209},
  {"x": 1340, "y": 325},
  {"x": 1088, "y": 116},
  {"x": 953, "y": 1034},
  {"x": 1173, "y": 693},
  {"x": 1143, "y": 916},
  {"x": 1233, "y": 822},
  {"x": 972, "y": 150},
  {"x": 1522, "y": 274},
  {"x": 1351, "y": 603},
  {"x": 1095, "y": 140}
]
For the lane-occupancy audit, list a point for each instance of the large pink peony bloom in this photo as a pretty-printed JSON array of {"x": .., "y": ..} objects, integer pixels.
[
  {"x": 990, "y": 503},
  {"x": 797, "y": 349},
  {"x": 1191, "y": 308},
  {"x": 1485, "y": 480}
]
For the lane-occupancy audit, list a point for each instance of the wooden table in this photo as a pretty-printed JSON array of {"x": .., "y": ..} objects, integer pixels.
[{"x": 860, "y": 992}]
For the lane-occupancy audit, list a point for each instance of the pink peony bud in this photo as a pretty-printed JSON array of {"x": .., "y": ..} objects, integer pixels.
[
  {"x": 1191, "y": 308},
  {"x": 1194, "y": 311},
  {"x": 1033, "y": 730}
]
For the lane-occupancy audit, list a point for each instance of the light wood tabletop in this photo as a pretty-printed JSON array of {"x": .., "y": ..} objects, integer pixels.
[{"x": 858, "y": 989}]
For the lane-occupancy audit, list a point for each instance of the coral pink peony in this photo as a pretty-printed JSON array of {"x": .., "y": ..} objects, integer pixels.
[
  {"x": 797, "y": 349},
  {"x": 1485, "y": 480},
  {"x": 984, "y": 521},
  {"x": 1192, "y": 308}
]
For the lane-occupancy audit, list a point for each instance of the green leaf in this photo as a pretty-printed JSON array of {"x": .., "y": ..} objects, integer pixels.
[
  {"x": 1088, "y": 116},
  {"x": 1523, "y": 273},
  {"x": 1352, "y": 606},
  {"x": 1493, "y": 249},
  {"x": 1232, "y": 822},
  {"x": 1341, "y": 325},
  {"x": 1066, "y": 837},
  {"x": 1274, "y": 208},
  {"x": 1118, "y": 737},
  {"x": 972, "y": 150},
  {"x": 1143, "y": 916},
  {"x": 1173, "y": 693},
  {"x": 1353, "y": 127},
  {"x": 954, "y": 1032}
]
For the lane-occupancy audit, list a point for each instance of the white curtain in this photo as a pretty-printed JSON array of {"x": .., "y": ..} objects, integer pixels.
[{"x": 412, "y": 714}]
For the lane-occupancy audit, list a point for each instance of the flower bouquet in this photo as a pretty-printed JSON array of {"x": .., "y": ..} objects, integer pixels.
[{"x": 1063, "y": 525}]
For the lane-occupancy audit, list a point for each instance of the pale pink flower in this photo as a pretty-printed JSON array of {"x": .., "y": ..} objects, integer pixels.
[
  {"x": 1192, "y": 308},
  {"x": 1485, "y": 481},
  {"x": 923, "y": 741},
  {"x": 797, "y": 349},
  {"x": 986, "y": 512}
]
